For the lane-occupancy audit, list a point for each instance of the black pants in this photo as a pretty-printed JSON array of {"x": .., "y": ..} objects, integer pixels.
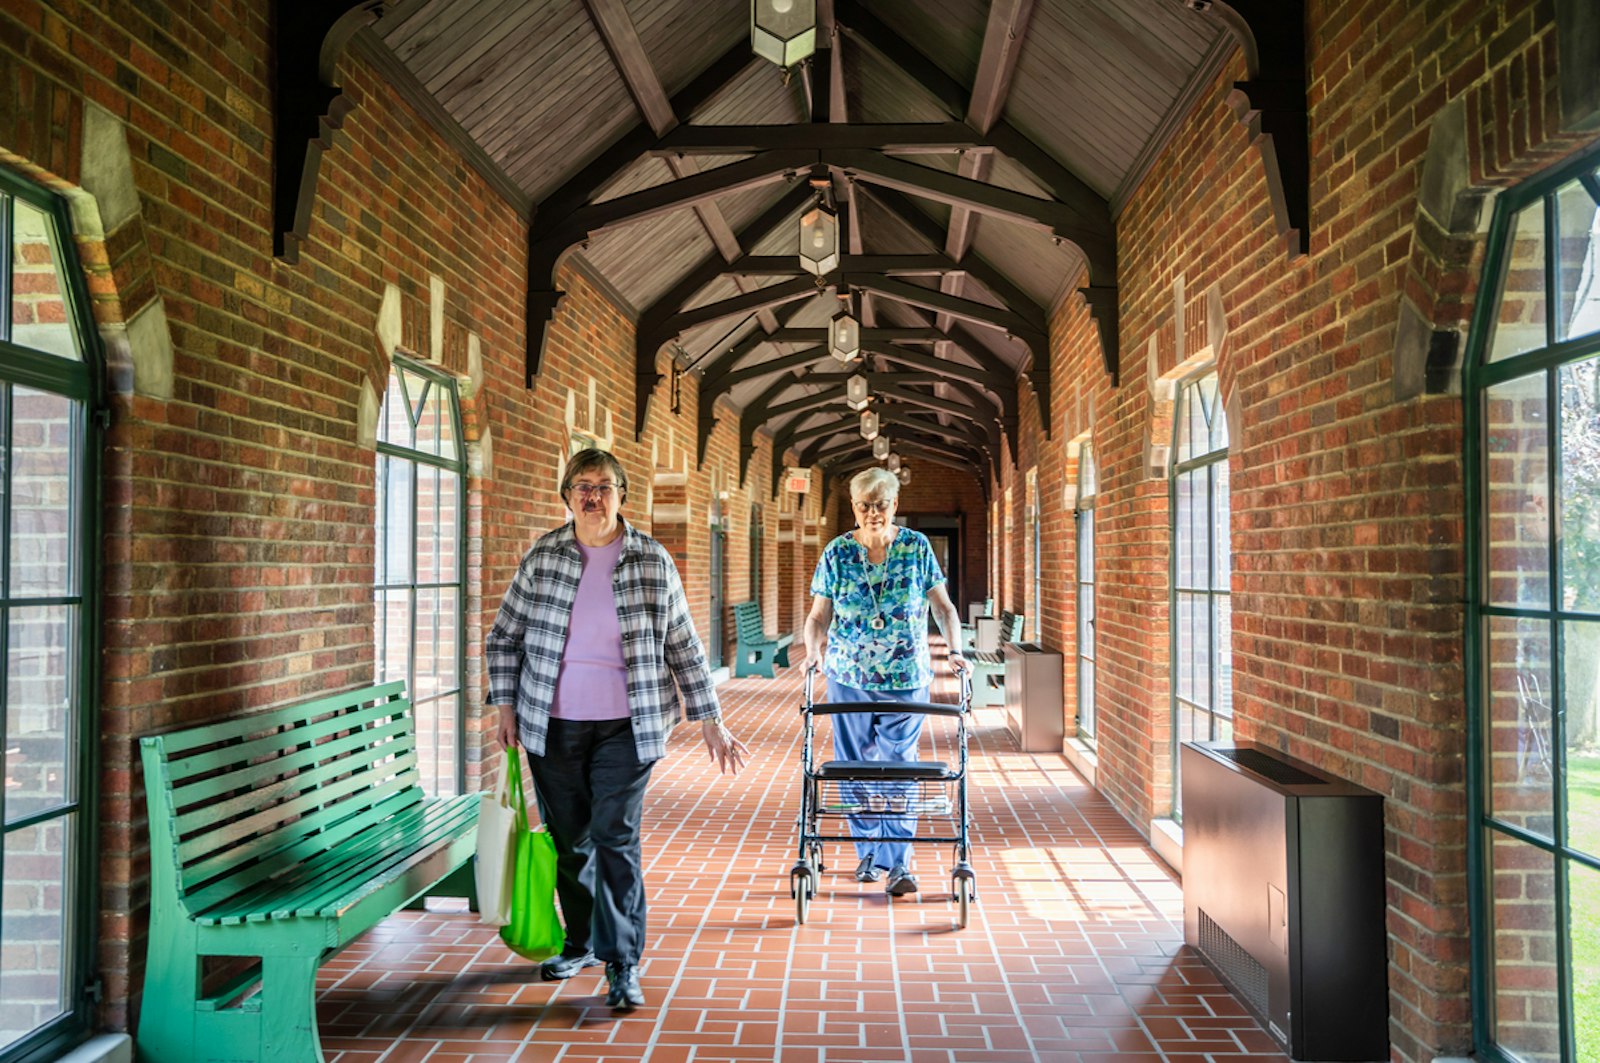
[{"x": 590, "y": 788}]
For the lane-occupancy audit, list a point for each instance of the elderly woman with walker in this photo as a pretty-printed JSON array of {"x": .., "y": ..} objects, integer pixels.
[{"x": 868, "y": 632}]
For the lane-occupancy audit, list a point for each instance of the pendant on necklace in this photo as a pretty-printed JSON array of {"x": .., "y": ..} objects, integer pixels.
[{"x": 876, "y": 624}]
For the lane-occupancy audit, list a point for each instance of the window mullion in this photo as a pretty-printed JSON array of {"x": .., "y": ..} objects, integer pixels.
[{"x": 5, "y": 268}]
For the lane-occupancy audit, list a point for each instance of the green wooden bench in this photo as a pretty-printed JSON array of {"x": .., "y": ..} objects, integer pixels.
[
  {"x": 283, "y": 836},
  {"x": 989, "y": 666},
  {"x": 756, "y": 651}
]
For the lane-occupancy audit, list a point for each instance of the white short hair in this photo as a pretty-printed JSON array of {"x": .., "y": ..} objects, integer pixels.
[{"x": 876, "y": 484}]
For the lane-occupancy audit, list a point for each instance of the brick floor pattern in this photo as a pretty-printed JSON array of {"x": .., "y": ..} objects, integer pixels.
[{"x": 1074, "y": 953}]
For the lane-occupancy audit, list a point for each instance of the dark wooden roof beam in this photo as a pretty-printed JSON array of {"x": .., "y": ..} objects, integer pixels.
[
  {"x": 654, "y": 327},
  {"x": 307, "y": 106},
  {"x": 888, "y": 265},
  {"x": 1271, "y": 104},
  {"x": 915, "y": 138},
  {"x": 1021, "y": 326}
]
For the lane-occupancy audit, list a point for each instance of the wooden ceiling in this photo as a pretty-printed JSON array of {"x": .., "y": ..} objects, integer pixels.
[{"x": 978, "y": 152}]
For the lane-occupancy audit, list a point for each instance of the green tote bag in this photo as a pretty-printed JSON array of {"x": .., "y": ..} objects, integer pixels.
[{"x": 534, "y": 932}]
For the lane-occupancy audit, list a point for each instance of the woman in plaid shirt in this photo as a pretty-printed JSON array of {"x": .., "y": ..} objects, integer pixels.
[{"x": 588, "y": 658}]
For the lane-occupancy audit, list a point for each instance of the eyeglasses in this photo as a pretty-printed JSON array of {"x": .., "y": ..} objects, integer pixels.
[
  {"x": 873, "y": 507},
  {"x": 588, "y": 491}
]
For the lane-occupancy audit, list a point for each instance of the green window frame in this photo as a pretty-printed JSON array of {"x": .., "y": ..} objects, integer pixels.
[
  {"x": 1201, "y": 602},
  {"x": 419, "y": 577},
  {"x": 52, "y": 414},
  {"x": 1083, "y": 519},
  {"x": 1532, "y": 647}
]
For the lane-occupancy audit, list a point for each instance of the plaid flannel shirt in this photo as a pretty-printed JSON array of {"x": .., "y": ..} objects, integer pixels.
[{"x": 659, "y": 644}]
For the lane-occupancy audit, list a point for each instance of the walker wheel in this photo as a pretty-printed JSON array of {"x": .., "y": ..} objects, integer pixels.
[
  {"x": 963, "y": 894},
  {"x": 802, "y": 884}
]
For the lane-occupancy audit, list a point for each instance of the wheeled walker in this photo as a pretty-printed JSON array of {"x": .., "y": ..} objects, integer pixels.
[{"x": 835, "y": 793}]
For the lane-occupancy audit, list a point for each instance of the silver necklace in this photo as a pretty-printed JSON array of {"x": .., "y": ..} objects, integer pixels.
[{"x": 877, "y": 623}]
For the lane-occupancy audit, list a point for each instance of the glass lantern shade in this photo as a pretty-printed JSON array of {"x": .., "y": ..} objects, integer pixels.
[
  {"x": 893, "y": 463},
  {"x": 869, "y": 425},
  {"x": 856, "y": 394},
  {"x": 844, "y": 337},
  {"x": 880, "y": 447},
  {"x": 783, "y": 31},
  {"x": 819, "y": 240},
  {"x": 904, "y": 473}
]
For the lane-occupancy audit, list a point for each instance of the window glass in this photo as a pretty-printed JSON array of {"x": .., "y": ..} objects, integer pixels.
[
  {"x": 1580, "y": 698},
  {"x": 1583, "y": 893},
  {"x": 1578, "y": 289},
  {"x": 1533, "y": 405},
  {"x": 41, "y": 660},
  {"x": 46, "y": 700},
  {"x": 1526, "y": 977},
  {"x": 1519, "y": 326},
  {"x": 1517, "y": 493},
  {"x": 44, "y": 459},
  {"x": 34, "y": 950},
  {"x": 419, "y": 596},
  {"x": 41, "y": 318},
  {"x": 1202, "y": 614},
  {"x": 1578, "y": 390}
]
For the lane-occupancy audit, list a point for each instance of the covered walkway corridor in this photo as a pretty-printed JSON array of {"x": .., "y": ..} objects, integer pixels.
[{"x": 1074, "y": 954}]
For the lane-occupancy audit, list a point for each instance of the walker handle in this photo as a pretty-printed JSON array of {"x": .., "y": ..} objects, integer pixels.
[{"x": 811, "y": 672}]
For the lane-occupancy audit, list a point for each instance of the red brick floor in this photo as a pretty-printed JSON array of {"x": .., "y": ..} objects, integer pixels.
[{"x": 1074, "y": 952}]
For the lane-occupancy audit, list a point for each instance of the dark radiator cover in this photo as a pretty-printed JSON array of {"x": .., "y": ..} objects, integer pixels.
[{"x": 1283, "y": 895}]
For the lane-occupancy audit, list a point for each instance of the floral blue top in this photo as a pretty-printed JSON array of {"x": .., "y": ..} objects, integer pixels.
[{"x": 893, "y": 656}]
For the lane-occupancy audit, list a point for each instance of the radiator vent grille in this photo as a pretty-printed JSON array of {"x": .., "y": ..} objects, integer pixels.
[{"x": 1240, "y": 968}]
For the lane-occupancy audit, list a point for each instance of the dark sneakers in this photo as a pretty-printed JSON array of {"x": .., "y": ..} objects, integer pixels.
[
  {"x": 866, "y": 871},
  {"x": 564, "y": 966},
  {"x": 901, "y": 882},
  {"x": 624, "y": 993}
]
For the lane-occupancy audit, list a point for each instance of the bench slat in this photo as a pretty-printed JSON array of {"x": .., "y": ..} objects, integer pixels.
[
  {"x": 208, "y": 858},
  {"x": 243, "y": 753},
  {"x": 322, "y": 796},
  {"x": 292, "y": 849},
  {"x": 177, "y": 742},
  {"x": 440, "y": 831},
  {"x": 310, "y": 884},
  {"x": 269, "y": 781}
]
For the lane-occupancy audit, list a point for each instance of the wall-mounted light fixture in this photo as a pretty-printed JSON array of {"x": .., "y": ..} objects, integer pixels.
[{"x": 783, "y": 31}]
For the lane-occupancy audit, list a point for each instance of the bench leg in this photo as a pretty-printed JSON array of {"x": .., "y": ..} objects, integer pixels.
[
  {"x": 753, "y": 662},
  {"x": 782, "y": 658},
  {"x": 985, "y": 692},
  {"x": 289, "y": 1010},
  {"x": 462, "y": 882},
  {"x": 167, "y": 1010}
]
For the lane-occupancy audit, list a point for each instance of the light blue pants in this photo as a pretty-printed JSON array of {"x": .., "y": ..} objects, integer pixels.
[{"x": 879, "y": 736}]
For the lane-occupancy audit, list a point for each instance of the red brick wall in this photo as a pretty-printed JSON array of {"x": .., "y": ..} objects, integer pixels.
[
  {"x": 238, "y": 522},
  {"x": 1346, "y": 528}
]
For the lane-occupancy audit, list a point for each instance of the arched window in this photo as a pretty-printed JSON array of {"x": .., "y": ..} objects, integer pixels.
[
  {"x": 1533, "y": 433},
  {"x": 419, "y": 592},
  {"x": 1083, "y": 512},
  {"x": 1202, "y": 612},
  {"x": 48, "y": 534}
]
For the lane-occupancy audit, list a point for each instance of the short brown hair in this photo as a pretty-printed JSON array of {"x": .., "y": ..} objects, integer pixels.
[{"x": 594, "y": 458}]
